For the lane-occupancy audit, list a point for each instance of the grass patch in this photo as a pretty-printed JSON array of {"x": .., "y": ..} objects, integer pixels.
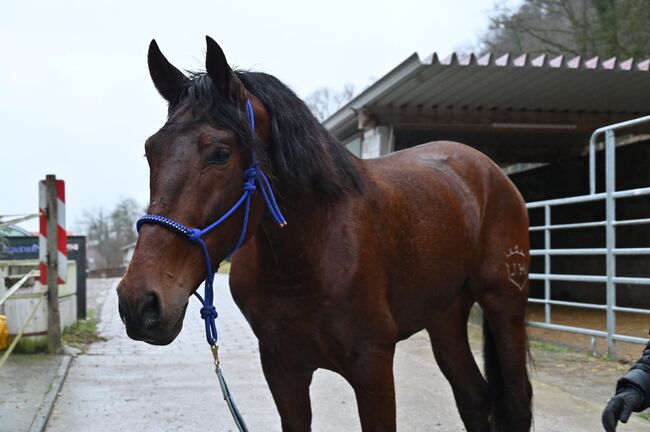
[
  {"x": 82, "y": 333},
  {"x": 645, "y": 416},
  {"x": 545, "y": 346},
  {"x": 31, "y": 345}
]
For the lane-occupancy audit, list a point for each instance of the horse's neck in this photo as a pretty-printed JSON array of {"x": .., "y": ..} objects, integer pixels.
[{"x": 294, "y": 251}]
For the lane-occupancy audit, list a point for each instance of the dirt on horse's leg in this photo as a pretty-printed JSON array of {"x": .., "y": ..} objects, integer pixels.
[
  {"x": 506, "y": 319},
  {"x": 290, "y": 390},
  {"x": 448, "y": 334},
  {"x": 371, "y": 376}
]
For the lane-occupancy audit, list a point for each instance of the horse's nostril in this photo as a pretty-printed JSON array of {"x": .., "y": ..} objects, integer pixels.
[
  {"x": 120, "y": 309},
  {"x": 150, "y": 310}
]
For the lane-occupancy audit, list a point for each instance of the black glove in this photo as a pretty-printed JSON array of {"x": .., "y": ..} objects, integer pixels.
[{"x": 620, "y": 407}]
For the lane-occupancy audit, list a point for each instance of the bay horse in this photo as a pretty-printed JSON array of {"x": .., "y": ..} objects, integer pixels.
[{"x": 375, "y": 250}]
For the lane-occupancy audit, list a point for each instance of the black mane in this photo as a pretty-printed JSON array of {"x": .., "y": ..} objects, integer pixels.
[{"x": 302, "y": 154}]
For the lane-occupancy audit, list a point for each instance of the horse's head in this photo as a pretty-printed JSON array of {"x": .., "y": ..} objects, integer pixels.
[{"x": 196, "y": 160}]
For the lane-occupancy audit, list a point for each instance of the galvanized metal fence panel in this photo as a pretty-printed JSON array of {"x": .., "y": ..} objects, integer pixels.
[{"x": 610, "y": 251}]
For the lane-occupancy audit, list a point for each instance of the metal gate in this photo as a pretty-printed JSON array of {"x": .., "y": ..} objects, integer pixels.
[{"x": 610, "y": 251}]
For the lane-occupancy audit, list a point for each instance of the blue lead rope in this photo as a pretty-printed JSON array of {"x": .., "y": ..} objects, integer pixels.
[{"x": 254, "y": 179}]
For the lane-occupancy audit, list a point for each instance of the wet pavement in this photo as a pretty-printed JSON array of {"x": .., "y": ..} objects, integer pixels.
[
  {"x": 120, "y": 384},
  {"x": 28, "y": 387}
]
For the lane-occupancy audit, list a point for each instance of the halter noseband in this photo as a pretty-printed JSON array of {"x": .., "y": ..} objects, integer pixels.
[{"x": 254, "y": 179}]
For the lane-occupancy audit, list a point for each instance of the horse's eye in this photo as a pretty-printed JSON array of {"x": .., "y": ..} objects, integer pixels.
[{"x": 220, "y": 157}]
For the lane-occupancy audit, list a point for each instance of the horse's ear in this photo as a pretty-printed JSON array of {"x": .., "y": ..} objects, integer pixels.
[
  {"x": 217, "y": 68},
  {"x": 167, "y": 79}
]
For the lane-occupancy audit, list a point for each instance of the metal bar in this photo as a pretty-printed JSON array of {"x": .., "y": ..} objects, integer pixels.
[
  {"x": 5, "y": 356},
  {"x": 547, "y": 264},
  {"x": 592, "y": 164},
  {"x": 565, "y": 201},
  {"x": 592, "y": 146},
  {"x": 588, "y": 306},
  {"x": 629, "y": 193},
  {"x": 569, "y": 226},
  {"x": 587, "y": 332},
  {"x": 621, "y": 125},
  {"x": 632, "y": 310},
  {"x": 610, "y": 234},
  {"x": 568, "y": 303},
  {"x": 17, "y": 220},
  {"x": 632, "y": 222},
  {"x": 589, "y": 278},
  {"x": 631, "y": 339},
  {"x": 583, "y": 251},
  {"x": 631, "y": 280},
  {"x": 17, "y": 285},
  {"x": 631, "y": 251},
  {"x": 567, "y": 277},
  {"x": 579, "y": 330},
  {"x": 589, "y": 224},
  {"x": 590, "y": 251}
]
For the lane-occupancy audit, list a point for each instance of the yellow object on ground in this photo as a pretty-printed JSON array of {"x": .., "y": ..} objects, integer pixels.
[{"x": 4, "y": 333}]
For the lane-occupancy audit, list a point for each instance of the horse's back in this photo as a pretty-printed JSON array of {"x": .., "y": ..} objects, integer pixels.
[{"x": 446, "y": 173}]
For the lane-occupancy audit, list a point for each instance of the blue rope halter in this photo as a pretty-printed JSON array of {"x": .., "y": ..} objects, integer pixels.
[{"x": 254, "y": 179}]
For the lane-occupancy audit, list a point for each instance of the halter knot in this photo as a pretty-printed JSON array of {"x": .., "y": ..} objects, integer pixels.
[
  {"x": 250, "y": 173},
  {"x": 209, "y": 312},
  {"x": 194, "y": 234},
  {"x": 249, "y": 186}
]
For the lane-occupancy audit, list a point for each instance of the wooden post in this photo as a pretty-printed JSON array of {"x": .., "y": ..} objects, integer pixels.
[{"x": 53, "y": 318}]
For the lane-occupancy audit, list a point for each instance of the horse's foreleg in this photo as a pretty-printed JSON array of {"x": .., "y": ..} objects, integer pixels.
[
  {"x": 371, "y": 376},
  {"x": 290, "y": 390}
]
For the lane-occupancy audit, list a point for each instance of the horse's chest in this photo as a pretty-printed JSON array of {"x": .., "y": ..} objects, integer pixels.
[{"x": 292, "y": 328}]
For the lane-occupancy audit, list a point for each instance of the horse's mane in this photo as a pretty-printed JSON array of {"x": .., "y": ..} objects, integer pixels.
[{"x": 302, "y": 154}]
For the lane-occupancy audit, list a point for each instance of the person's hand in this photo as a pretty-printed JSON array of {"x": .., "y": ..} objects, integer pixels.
[{"x": 620, "y": 407}]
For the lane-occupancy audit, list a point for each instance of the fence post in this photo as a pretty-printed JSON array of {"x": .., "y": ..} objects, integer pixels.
[
  {"x": 53, "y": 318},
  {"x": 610, "y": 233},
  {"x": 547, "y": 263}
]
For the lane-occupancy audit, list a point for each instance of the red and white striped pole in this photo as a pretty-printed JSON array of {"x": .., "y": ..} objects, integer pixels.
[{"x": 62, "y": 244}]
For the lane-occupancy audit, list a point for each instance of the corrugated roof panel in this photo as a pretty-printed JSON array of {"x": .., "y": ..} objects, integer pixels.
[{"x": 523, "y": 82}]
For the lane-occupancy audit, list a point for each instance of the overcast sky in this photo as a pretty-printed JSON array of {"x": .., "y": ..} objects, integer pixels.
[{"x": 76, "y": 99}]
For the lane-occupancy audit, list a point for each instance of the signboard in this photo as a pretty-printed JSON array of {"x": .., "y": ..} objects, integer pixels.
[{"x": 27, "y": 248}]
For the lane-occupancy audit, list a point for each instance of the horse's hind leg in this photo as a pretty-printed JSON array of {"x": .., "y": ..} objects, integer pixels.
[
  {"x": 506, "y": 351},
  {"x": 503, "y": 292},
  {"x": 448, "y": 333}
]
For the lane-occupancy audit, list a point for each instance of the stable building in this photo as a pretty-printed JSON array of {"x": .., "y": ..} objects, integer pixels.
[
  {"x": 514, "y": 109},
  {"x": 534, "y": 116}
]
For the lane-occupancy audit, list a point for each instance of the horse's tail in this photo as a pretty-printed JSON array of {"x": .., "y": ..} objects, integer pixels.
[
  {"x": 499, "y": 422},
  {"x": 494, "y": 380}
]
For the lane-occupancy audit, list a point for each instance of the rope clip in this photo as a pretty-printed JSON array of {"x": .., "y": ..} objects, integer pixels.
[{"x": 215, "y": 353}]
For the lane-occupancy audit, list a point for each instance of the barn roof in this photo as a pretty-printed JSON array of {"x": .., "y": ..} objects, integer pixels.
[{"x": 507, "y": 83}]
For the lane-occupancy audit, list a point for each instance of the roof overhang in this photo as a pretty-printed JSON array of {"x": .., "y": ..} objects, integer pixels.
[{"x": 506, "y": 93}]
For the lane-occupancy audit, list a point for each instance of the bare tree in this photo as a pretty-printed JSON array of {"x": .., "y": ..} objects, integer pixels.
[
  {"x": 325, "y": 101},
  {"x": 579, "y": 27},
  {"x": 108, "y": 231}
]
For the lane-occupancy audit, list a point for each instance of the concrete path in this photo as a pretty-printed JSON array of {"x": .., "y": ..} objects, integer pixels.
[
  {"x": 123, "y": 385},
  {"x": 28, "y": 388}
]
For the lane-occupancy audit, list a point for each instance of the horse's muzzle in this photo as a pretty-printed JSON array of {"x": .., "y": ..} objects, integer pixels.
[{"x": 144, "y": 317}]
